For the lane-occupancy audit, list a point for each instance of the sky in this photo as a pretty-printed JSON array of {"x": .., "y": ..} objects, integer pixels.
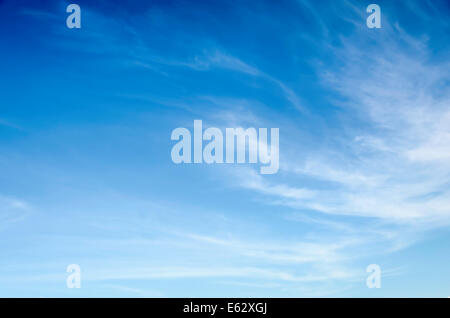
[{"x": 86, "y": 175}]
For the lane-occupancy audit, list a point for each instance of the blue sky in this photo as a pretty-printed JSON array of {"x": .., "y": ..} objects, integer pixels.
[{"x": 86, "y": 175}]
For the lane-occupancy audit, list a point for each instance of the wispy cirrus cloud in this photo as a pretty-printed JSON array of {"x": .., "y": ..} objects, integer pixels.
[
  {"x": 384, "y": 170},
  {"x": 12, "y": 210}
]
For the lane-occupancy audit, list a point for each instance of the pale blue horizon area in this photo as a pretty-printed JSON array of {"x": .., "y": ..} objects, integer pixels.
[{"x": 86, "y": 175}]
